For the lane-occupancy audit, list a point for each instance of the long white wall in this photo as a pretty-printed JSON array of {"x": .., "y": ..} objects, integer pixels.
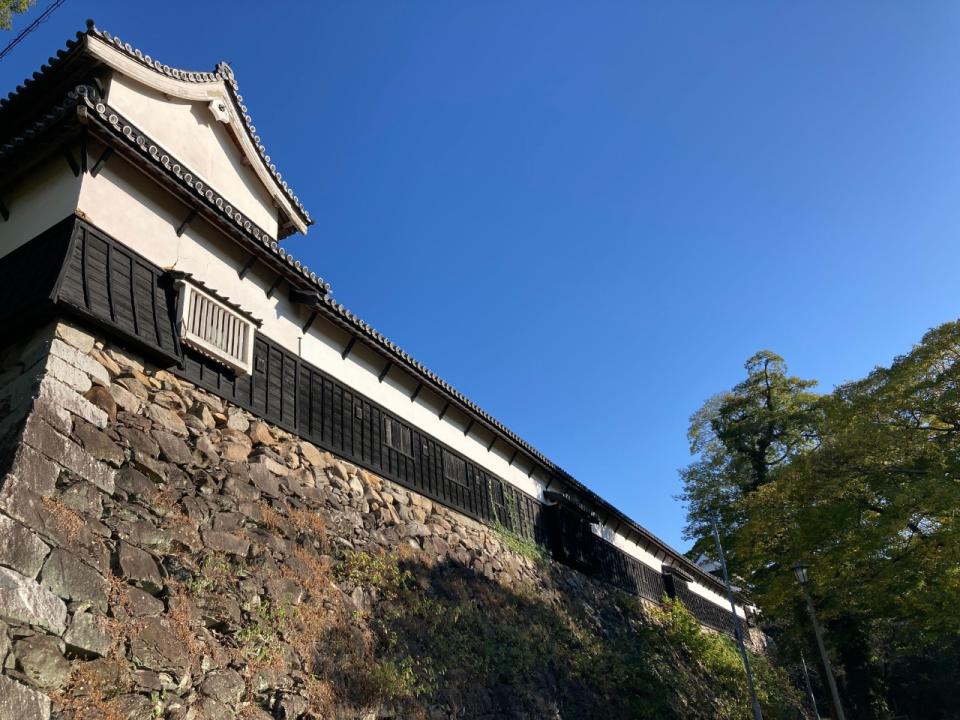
[
  {"x": 121, "y": 201},
  {"x": 124, "y": 203}
]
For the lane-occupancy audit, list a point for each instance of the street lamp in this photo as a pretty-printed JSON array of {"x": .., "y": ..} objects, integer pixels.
[{"x": 801, "y": 571}]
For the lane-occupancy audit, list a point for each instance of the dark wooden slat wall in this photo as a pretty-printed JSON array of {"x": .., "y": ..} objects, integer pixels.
[
  {"x": 124, "y": 293},
  {"x": 110, "y": 284}
]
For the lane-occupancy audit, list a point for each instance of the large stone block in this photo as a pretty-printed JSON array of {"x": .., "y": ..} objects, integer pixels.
[
  {"x": 157, "y": 647},
  {"x": 139, "y": 567},
  {"x": 18, "y": 702},
  {"x": 71, "y": 579},
  {"x": 25, "y": 600},
  {"x": 80, "y": 360},
  {"x": 86, "y": 637},
  {"x": 60, "y": 395},
  {"x": 98, "y": 444},
  {"x": 21, "y": 549},
  {"x": 33, "y": 471},
  {"x": 42, "y": 661},
  {"x": 77, "y": 338},
  {"x": 68, "y": 374},
  {"x": 43, "y": 438}
]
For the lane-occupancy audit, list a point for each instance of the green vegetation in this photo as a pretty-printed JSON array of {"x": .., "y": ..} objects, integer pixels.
[
  {"x": 441, "y": 634},
  {"x": 862, "y": 484},
  {"x": 8, "y": 8},
  {"x": 525, "y": 547}
]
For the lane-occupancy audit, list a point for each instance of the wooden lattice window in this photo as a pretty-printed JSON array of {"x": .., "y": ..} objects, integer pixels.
[
  {"x": 454, "y": 468},
  {"x": 213, "y": 328},
  {"x": 397, "y": 436}
]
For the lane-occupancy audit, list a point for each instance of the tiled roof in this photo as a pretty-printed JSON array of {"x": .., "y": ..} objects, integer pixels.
[
  {"x": 86, "y": 97},
  {"x": 222, "y": 73},
  {"x": 84, "y": 100}
]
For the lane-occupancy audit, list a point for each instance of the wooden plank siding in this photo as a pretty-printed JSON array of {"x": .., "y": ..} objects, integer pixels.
[{"x": 132, "y": 300}]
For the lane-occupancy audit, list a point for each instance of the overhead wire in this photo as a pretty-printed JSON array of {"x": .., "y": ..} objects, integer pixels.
[{"x": 37, "y": 22}]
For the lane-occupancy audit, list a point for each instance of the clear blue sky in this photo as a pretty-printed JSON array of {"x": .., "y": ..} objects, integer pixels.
[{"x": 587, "y": 215}]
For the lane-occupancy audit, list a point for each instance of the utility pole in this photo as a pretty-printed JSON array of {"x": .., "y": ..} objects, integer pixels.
[
  {"x": 806, "y": 679},
  {"x": 738, "y": 633},
  {"x": 800, "y": 571}
]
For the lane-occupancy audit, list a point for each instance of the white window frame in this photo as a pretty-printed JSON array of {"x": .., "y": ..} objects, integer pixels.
[{"x": 242, "y": 364}]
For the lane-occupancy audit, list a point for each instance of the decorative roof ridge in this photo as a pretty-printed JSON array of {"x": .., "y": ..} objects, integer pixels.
[
  {"x": 136, "y": 137},
  {"x": 56, "y": 113},
  {"x": 121, "y": 127},
  {"x": 222, "y": 73}
]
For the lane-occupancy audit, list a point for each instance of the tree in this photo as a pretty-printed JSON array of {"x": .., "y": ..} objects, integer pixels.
[
  {"x": 863, "y": 484},
  {"x": 739, "y": 437},
  {"x": 8, "y": 8}
]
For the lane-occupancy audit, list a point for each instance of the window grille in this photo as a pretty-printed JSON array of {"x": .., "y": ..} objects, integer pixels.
[
  {"x": 454, "y": 468},
  {"x": 214, "y": 329},
  {"x": 397, "y": 436}
]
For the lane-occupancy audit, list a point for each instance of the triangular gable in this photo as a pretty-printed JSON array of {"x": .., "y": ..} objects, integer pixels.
[{"x": 214, "y": 95}]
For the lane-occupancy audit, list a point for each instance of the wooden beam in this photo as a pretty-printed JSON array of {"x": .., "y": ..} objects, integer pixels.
[
  {"x": 444, "y": 411},
  {"x": 493, "y": 441},
  {"x": 532, "y": 470},
  {"x": 348, "y": 348},
  {"x": 83, "y": 151},
  {"x": 248, "y": 266},
  {"x": 385, "y": 371},
  {"x": 276, "y": 284},
  {"x": 513, "y": 457},
  {"x": 313, "y": 316},
  {"x": 186, "y": 221},
  {"x": 469, "y": 427},
  {"x": 101, "y": 161},
  {"x": 71, "y": 161},
  {"x": 416, "y": 392}
]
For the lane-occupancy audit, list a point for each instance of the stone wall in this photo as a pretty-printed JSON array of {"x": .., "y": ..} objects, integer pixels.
[{"x": 166, "y": 555}]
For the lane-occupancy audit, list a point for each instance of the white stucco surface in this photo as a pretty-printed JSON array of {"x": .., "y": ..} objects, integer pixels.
[
  {"x": 126, "y": 204},
  {"x": 38, "y": 201},
  {"x": 189, "y": 131}
]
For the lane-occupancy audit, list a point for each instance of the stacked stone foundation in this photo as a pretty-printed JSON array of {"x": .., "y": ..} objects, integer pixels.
[{"x": 147, "y": 528}]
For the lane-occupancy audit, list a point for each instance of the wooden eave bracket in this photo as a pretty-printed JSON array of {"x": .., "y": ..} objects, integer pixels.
[
  {"x": 101, "y": 161},
  {"x": 304, "y": 297}
]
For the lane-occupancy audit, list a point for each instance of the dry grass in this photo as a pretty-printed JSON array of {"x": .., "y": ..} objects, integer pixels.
[
  {"x": 87, "y": 696},
  {"x": 65, "y": 519},
  {"x": 310, "y": 523},
  {"x": 271, "y": 519},
  {"x": 178, "y": 610}
]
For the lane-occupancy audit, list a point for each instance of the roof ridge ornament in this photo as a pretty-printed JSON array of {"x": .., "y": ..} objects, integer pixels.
[{"x": 222, "y": 73}]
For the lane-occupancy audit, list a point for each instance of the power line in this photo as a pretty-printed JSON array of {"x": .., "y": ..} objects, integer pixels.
[{"x": 40, "y": 19}]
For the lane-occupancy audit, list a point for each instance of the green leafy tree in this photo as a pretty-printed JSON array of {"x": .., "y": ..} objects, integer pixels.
[
  {"x": 739, "y": 437},
  {"x": 8, "y": 8},
  {"x": 865, "y": 488}
]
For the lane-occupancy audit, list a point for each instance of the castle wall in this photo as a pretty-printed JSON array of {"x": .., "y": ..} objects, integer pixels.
[
  {"x": 125, "y": 204},
  {"x": 148, "y": 531}
]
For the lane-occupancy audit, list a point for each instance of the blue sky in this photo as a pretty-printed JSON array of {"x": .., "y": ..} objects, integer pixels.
[{"x": 586, "y": 216}]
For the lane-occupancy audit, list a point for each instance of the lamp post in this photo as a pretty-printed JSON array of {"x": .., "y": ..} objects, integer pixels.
[
  {"x": 738, "y": 633},
  {"x": 800, "y": 570}
]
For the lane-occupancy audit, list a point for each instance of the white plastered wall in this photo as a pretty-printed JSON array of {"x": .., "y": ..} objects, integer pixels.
[
  {"x": 125, "y": 204},
  {"x": 39, "y": 200},
  {"x": 190, "y": 132}
]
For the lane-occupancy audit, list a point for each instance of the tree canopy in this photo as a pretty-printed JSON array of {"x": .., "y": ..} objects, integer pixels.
[
  {"x": 8, "y": 8},
  {"x": 863, "y": 485}
]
